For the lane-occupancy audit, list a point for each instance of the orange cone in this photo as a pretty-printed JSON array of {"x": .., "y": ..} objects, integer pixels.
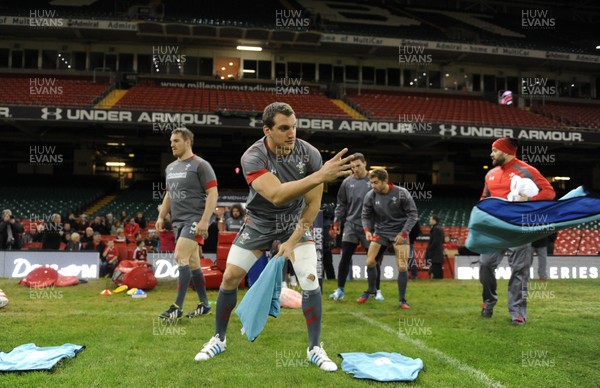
[{"x": 106, "y": 292}]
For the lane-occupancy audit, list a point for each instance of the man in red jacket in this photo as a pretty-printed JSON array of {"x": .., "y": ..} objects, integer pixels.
[{"x": 498, "y": 184}]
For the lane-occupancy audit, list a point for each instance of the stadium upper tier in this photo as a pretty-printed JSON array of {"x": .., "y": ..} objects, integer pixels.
[
  {"x": 444, "y": 109},
  {"x": 513, "y": 24}
]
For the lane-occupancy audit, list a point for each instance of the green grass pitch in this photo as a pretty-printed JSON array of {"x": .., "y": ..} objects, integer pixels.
[{"x": 127, "y": 346}]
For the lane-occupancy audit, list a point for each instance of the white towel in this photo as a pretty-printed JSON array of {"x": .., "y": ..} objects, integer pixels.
[{"x": 519, "y": 186}]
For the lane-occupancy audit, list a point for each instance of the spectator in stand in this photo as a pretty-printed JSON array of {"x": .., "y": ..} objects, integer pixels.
[
  {"x": 235, "y": 222},
  {"x": 124, "y": 217},
  {"x": 140, "y": 252},
  {"x": 53, "y": 233},
  {"x": 38, "y": 236},
  {"x": 88, "y": 237},
  {"x": 75, "y": 244},
  {"x": 121, "y": 236},
  {"x": 82, "y": 223},
  {"x": 109, "y": 259},
  {"x": 167, "y": 238},
  {"x": 66, "y": 237},
  {"x": 131, "y": 228},
  {"x": 115, "y": 227},
  {"x": 72, "y": 220},
  {"x": 109, "y": 222},
  {"x": 30, "y": 234},
  {"x": 140, "y": 220},
  {"x": 138, "y": 237},
  {"x": 96, "y": 245},
  {"x": 98, "y": 225},
  {"x": 10, "y": 232},
  {"x": 151, "y": 241}
]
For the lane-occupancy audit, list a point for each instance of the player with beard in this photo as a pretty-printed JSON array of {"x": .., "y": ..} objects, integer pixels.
[{"x": 498, "y": 184}]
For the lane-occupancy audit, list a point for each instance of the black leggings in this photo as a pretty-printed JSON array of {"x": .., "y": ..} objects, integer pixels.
[{"x": 348, "y": 249}]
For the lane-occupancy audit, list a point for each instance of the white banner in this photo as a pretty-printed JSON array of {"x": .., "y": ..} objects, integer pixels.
[
  {"x": 559, "y": 267},
  {"x": 18, "y": 264}
]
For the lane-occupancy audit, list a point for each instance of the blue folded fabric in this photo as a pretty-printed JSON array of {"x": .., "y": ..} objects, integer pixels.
[
  {"x": 29, "y": 357},
  {"x": 497, "y": 224},
  {"x": 262, "y": 299},
  {"x": 381, "y": 366}
]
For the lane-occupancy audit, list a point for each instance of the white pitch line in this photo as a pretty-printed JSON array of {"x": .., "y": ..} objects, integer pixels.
[{"x": 443, "y": 356}]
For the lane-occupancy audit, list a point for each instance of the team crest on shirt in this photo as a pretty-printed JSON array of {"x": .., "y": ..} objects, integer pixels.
[
  {"x": 300, "y": 167},
  {"x": 394, "y": 200},
  {"x": 377, "y": 203},
  {"x": 244, "y": 237},
  {"x": 188, "y": 166}
]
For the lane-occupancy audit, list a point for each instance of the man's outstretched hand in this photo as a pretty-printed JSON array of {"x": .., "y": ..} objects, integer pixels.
[{"x": 337, "y": 167}]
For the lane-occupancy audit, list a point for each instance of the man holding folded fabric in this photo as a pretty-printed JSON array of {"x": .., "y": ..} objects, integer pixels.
[{"x": 498, "y": 184}]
